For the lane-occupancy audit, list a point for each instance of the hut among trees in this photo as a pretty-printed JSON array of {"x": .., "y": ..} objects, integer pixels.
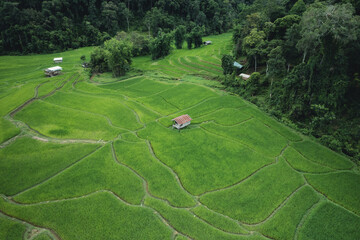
[
  {"x": 182, "y": 121},
  {"x": 244, "y": 76}
]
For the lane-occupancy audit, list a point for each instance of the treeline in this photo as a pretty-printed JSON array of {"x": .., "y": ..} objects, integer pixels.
[
  {"x": 307, "y": 55},
  {"x": 34, "y": 26}
]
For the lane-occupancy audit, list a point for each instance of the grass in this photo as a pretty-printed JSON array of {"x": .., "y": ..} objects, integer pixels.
[
  {"x": 322, "y": 155},
  {"x": 161, "y": 181},
  {"x": 10, "y": 229},
  {"x": 145, "y": 180},
  {"x": 116, "y": 111},
  {"x": 343, "y": 188},
  {"x": 60, "y": 122},
  {"x": 70, "y": 219},
  {"x": 252, "y": 133},
  {"x": 256, "y": 198},
  {"x": 96, "y": 172},
  {"x": 219, "y": 163},
  {"x": 7, "y": 130},
  {"x": 330, "y": 222},
  {"x": 185, "y": 222},
  {"x": 300, "y": 163},
  {"x": 285, "y": 222},
  {"x": 219, "y": 221},
  {"x": 35, "y": 162},
  {"x": 42, "y": 236}
]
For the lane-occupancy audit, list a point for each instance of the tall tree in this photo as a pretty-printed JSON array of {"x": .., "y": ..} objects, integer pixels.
[
  {"x": 254, "y": 45},
  {"x": 179, "y": 36},
  {"x": 118, "y": 56}
]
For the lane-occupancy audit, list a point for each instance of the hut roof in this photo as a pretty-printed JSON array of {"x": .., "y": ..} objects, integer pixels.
[
  {"x": 238, "y": 65},
  {"x": 52, "y": 69},
  {"x": 182, "y": 119},
  {"x": 58, "y": 59}
]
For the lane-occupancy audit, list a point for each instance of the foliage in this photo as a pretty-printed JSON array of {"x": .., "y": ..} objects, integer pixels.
[
  {"x": 118, "y": 56},
  {"x": 140, "y": 42},
  {"x": 179, "y": 36},
  {"x": 189, "y": 40},
  {"x": 227, "y": 64},
  {"x": 231, "y": 149},
  {"x": 98, "y": 61},
  {"x": 254, "y": 45},
  {"x": 161, "y": 45}
]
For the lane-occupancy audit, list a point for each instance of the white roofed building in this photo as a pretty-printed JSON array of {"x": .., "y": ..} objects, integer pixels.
[
  {"x": 53, "y": 71},
  {"x": 58, "y": 60}
]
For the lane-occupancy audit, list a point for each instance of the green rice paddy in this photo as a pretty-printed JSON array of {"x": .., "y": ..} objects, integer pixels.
[{"x": 97, "y": 158}]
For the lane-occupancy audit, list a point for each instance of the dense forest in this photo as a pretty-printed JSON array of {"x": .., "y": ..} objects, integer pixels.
[
  {"x": 35, "y": 26},
  {"x": 304, "y": 60},
  {"x": 303, "y": 55}
]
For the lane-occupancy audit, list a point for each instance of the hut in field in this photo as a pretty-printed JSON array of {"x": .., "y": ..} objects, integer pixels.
[
  {"x": 244, "y": 76},
  {"x": 207, "y": 43},
  {"x": 181, "y": 121},
  {"x": 58, "y": 60},
  {"x": 53, "y": 71}
]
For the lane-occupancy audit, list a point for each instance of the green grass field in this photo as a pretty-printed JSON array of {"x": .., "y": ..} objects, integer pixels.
[{"x": 97, "y": 158}]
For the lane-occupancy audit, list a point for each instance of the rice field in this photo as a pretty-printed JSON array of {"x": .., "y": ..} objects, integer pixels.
[{"x": 97, "y": 158}]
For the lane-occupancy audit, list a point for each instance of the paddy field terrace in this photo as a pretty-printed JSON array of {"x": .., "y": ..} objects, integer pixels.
[{"x": 97, "y": 158}]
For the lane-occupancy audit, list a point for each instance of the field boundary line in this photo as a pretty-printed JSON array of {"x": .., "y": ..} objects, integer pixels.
[
  {"x": 145, "y": 182},
  {"x": 204, "y": 66},
  {"x": 246, "y": 178},
  {"x": 222, "y": 230},
  {"x": 323, "y": 195},
  {"x": 28, "y": 224},
  {"x": 312, "y": 173},
  {"x": 234, "y": 140},
  {"x": 11, "y": 140},
  {"x": 58, "y": 173},
  {"x": 324, "y": 165},
  {"x": 278, "y": 208},
  {"x": 329, "y": 199},
  {"x": 19, "y": 108},
  {"x": 186, "y": 109},
  {"x": 96, "y": 114},
  {"x": 30, "y": 132},
  {"x": 151, "y": 150},
  {"x": 304, "y": 217}
]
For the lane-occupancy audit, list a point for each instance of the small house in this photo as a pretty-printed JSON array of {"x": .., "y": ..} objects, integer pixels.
[
  {"x": 181, "y": 121},
  {"x": 238, "y": 65},
  {"x": 53, "y": 71},
  {"x": 244, "y": 76},
  {"x": 207, "y": 43},
  {"x": 58, "y": 60}
]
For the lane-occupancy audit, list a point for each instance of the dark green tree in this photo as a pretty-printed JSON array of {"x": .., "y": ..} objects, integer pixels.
[
  {"x": 227, "y": 64},
  {"x": 276, "y": 65},
  {"x": 161, "y": 45},
  {"x": 179, "y": 36},
  {"x": 118, "y": 56},
  {"x": 254, "y": 45}
]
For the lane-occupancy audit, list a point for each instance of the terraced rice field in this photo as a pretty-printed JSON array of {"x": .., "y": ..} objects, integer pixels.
[{"x": 97, "y": 158}]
